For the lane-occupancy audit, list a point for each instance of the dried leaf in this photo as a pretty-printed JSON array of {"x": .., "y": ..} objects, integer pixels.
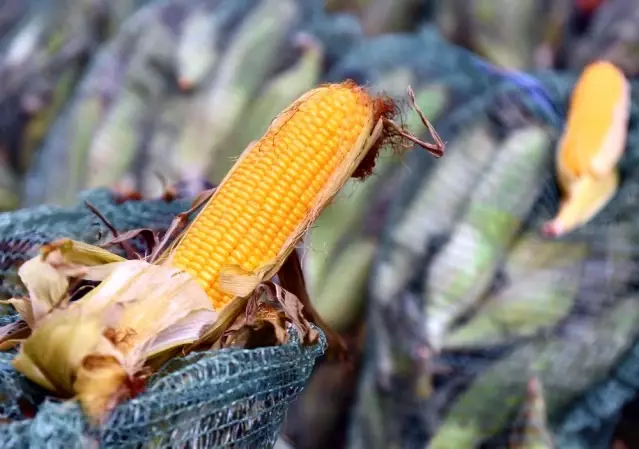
[
  {"x": 160, "y": 298},
  {"x": 226, "y": 318},
  {"x": 96, "y": 348},
  {"x": 232, "y": 318},
  {"x": 292, "y": 280},
  {"x": 293, "y": 309},
  {"x": 114, "y": 288},
  {"x": 13, "y": 334},
  {"x": 265, "y": 327},
  {"x": 72, "y": 258},
  {"x": 47, "y": 287},
  {"x": 150, "y": 238},
  {"x": 53, "y": 353},
  {"x": 267, "y": 312},
  {"x": 24, "y": 309},
  {"x": 184, "y": 331}
]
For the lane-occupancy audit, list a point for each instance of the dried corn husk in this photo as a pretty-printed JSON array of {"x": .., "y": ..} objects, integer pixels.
[{"x": 94, "y": 349}]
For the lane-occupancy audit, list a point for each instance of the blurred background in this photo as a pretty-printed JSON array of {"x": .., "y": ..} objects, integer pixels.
[{"x": 536, "y": 338}]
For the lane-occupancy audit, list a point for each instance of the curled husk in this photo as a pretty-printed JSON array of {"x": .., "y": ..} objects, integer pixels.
[{"x": 94, "y": 349}]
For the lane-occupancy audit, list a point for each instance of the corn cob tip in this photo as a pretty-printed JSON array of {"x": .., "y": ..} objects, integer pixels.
[
  {"x": 384, "y": 108},
  {"x": 394, "y": 135},
  {"x": 586, "y": 198}
]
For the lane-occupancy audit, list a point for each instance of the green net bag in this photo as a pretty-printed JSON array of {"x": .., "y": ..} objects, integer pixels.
[
  {"x": 537, "y": 338},
  {"x": 223, "y": 398},
  {"x": 226, "y": 398}
]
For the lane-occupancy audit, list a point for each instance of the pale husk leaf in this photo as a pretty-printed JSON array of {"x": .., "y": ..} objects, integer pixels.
[
  {"x": 24, "y": 308},
  {"x": 185, "y": 331},
  {"x": 46, "y": 287},
  {"x": 52, "y": 354},
  {"x": 73, "y": 258},
  {"x": 96, "y": 347},
  {"x": 160, "y": 297}
]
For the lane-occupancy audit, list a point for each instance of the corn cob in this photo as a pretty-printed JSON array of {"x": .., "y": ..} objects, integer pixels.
[
  {"x": 592, "y": 143},
  {"x": 280, "y": 184},
  {"x": 437, "y": 203},
  {"x": 462, "y": 271},
  {"x": 197, "y": 52},
  {"x": 144, "y": 89},
  {"x": 345, "y": 214},
  {"x": 543, "y": 282},
  {"x": 595, "y": 134},
  {"x": 249, "y": 58},
  {"x": 65, "y": 149},
  {"x": 566, "y": 366},
  {"x": 340, "y": 300}
]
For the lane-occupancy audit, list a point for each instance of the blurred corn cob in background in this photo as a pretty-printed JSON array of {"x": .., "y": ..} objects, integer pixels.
[
  {"x": 503, "y": 32},
  {"x": 183, "y": 117},
  {"x": 396, "y": 383},
  {"x": 527, "y": 288},
  {"x": 182, "y": 87},
  {"x": 592, "y": 143},
  {"x": 466, "y": 264},
  {"x": 532, "y": 431},
  {"x": 45, "y": 53},
  {"x": 49, "y": 44},
  {"x": 566, "y": 366},
  {"x": 541, "y": 33},
  {"x": 544, "y": 295},
  {"x": 378, "y": 16}
]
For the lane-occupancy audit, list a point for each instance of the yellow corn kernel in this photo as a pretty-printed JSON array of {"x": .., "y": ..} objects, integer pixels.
[
  {"x": 596, "y": 127},
  {"x": 591, "y": 145},
  {"x": 279, "y": 185}
]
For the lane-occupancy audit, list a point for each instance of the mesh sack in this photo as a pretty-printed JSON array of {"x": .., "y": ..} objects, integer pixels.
[
  {"x": 224, "y": 398},
  {"x": 466, "y": 226}
]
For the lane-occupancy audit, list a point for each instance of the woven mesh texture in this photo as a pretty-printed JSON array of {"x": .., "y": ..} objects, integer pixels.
[
  {"x": 237, "y": 398},
  {"x": 23, "y": 231},
  {"x": 585, "y": 388},
  {"x": 229, "y": 398}
]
